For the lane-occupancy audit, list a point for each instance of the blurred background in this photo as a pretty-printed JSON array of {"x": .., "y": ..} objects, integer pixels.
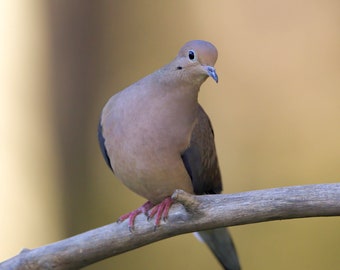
[{"x": 275, "y": 111}]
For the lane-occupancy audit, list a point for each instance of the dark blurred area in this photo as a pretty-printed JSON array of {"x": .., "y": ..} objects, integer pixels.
[{"x": 275, "y": 112}]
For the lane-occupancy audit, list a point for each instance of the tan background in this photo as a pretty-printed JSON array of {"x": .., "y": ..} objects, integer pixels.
[{"x": 276, "y": 114}]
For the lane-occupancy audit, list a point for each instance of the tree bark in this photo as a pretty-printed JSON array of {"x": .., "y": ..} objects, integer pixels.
[{"x": 191, "y": 213}]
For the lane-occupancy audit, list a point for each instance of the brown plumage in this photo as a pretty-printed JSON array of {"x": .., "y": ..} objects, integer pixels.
[
  {"x": 200, "y": 158},
  {"x": 157, "y": 138}
]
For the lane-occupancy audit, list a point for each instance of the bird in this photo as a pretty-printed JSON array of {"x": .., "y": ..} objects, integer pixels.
[{"x": 156, "y": 138}]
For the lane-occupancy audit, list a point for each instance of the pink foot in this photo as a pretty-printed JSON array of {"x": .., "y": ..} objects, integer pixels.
[
  {"x": 132, "y": 215},
  {"x": 161, "y": 210}
]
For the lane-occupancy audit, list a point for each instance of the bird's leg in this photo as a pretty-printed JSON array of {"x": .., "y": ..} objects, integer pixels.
[
  {"x": 132, "y": 215},
  {"x": 161, "y": 210}
]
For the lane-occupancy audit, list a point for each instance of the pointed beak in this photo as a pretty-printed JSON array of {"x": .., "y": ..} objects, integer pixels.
[{"x": 212, "y": 73}]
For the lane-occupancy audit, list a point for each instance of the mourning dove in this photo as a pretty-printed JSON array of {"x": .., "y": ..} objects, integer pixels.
[{"x": 156, "y": 138}]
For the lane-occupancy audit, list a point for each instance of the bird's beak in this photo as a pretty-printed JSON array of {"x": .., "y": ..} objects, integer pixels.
[{"x": 212, "y": 73}]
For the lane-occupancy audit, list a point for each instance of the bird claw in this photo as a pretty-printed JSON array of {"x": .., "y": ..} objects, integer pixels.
[
  {"x": 160, "y": 211},
  {"x": 132, "y": 215}
]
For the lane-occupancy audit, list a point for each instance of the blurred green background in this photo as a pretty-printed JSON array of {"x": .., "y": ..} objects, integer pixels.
[{"x": 275, "y": 111}]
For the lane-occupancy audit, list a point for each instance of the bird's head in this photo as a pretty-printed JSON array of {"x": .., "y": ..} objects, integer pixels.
[{"x": 195, "y": 61}]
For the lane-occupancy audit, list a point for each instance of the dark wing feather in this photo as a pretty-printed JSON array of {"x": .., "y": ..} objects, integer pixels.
[
  {"x": 101, "y": 141},
  {"x": 200, "y": 158},
  {"x": 201, "y": 162}
]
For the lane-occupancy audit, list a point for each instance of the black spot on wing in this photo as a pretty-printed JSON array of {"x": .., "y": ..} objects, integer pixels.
[{"x": 101, "y": 141}]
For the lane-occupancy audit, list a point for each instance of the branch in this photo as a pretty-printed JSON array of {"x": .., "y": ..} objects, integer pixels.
[{"x": 192, "y": 213}]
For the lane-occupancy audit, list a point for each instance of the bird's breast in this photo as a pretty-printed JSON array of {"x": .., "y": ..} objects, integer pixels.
[{"x": 145, "y": 148}]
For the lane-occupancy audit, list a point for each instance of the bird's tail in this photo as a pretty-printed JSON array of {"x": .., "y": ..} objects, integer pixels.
[{"x": 221, "y": 244}]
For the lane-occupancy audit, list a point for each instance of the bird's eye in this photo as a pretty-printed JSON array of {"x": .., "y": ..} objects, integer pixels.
[{"x": 191, "y": 55}]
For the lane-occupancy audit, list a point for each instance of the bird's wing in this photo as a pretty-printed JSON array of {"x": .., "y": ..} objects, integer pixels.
[{"x": 200, "y": 159}]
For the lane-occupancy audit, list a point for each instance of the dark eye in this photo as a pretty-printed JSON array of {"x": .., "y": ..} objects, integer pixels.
[{"x": 191, "y": 55}]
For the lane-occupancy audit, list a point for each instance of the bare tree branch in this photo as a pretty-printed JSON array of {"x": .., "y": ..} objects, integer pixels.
[{"x": 192, "y": 213}]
